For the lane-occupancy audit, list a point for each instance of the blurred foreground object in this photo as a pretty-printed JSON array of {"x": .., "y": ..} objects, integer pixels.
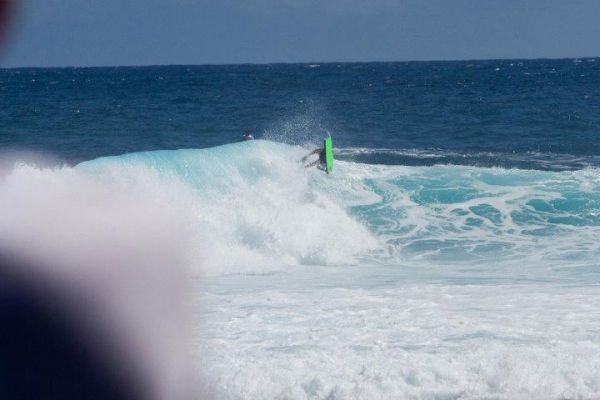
[
  {"x": 41, "y": 356},
  {"x": 92, "y": 287}
]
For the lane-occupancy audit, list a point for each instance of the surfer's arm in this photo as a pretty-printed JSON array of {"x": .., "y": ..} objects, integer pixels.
[{"x": 315, "y": 151}]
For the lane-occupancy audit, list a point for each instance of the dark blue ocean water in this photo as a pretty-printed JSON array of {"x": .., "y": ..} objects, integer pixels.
[{"x": 536, "y": 114}]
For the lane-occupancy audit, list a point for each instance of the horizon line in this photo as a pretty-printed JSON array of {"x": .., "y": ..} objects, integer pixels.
[{"x": 299, "y": 63}]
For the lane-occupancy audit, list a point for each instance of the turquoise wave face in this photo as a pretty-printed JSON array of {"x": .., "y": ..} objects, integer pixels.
[
  {"x": 261, "y": 206},
  {"x": 253, "y": 205}
]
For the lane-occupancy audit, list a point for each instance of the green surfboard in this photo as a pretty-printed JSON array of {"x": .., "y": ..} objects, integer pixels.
[{"x": 328, "y": 144}]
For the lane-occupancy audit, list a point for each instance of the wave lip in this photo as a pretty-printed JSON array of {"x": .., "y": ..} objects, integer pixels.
[
  {"x": 255, "y": 207},
  {"x": 251, "y": 208}
]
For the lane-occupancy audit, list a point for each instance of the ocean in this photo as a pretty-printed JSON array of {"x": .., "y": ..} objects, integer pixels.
[{"x": 452, "y": 253}]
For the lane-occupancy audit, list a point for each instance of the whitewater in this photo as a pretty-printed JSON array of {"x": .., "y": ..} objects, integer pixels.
[{"x": 373, "y": 282}]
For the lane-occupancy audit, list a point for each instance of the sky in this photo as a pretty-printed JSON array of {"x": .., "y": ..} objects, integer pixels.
[{"x": 150, "y": 32}]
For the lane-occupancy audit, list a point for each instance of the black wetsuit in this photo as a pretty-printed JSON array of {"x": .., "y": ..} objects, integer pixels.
[{"x": 322, "y": 158}]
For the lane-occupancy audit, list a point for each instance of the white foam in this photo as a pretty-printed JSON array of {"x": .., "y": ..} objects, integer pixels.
[
  {"x": 402, "y": 340},
  {"x": 372, "y": 282}
]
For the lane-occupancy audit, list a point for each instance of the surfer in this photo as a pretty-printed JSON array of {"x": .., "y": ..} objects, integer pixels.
[
  {"x": 320, "y": 163},
  {"x": 247, "y": 135}
]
